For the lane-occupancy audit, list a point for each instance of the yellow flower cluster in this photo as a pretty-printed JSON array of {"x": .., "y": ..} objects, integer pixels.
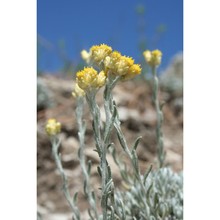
[
  {"x": 52, "y": 127},
  {"x": 112, "y": 62},
  {"x": 121, "y": 66},
  {"x": 153, "y": 58},
  {"x": 88, "y": 78}
]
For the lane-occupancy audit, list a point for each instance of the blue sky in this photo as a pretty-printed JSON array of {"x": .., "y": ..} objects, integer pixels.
[{"x": 83, "y": 23}]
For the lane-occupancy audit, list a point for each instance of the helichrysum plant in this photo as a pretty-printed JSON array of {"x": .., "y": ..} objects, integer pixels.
[
  {"x": 153, "y": 195},
  {"x": 153, "y": 58},
  {"x": 53, "y": 128}
]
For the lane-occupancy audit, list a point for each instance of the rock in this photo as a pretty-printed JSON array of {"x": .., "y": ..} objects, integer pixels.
[
  {"x": 44, "y": 95},
  {"x": 171, "y": 80},
  {"x": 174, "y": 160},
  {"x": 69, "y": 151},
  {"x": 148, "y": 117},
  {"x": 58, "y": 216},
  {"x": 70, "y": 145},
  {"x": 125, "y": 113},
  {"x": 178, "y": 105}
]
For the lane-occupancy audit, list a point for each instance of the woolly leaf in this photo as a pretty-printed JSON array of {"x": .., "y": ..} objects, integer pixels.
[
  {"x": 121, "y": 138},
  {"x": 89, "y": 167},
  {"x": 137, "y": 142},
  {"x": 99, "y": 171},
  {"x": 90, "y": 214},
  {"x": 147, "y": 173},
  {"x": 75, "y": 198}
]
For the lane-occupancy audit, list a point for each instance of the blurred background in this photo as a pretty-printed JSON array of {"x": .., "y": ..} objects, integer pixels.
[{"x": 64, "y": 28}]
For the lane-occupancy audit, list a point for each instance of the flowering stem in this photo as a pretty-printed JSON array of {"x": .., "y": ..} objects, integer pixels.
[
  {"x": 101, "y": 146},
  {"x": 159, "y": 134},
  {"x": 108, "y": 104},
  {"x": 81, "y": 135},
  {"x": 132, "y": 155},
  {"x": 55, "y": 146}
]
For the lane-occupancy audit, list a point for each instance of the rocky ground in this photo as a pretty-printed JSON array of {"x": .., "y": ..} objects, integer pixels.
[{"x": 137, "y": 114}]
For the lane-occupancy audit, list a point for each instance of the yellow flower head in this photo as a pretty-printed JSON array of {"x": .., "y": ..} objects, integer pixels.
[
  {"x": 134, "y": 70},
  {"x": 52, "y": 127},
  {"x": 123, "y": 65},
  {"x": 89, "y": 78},
  {"x": 153, "y": 58},
  {"x": 99, "y": 52},
  {"x": 78, "y": 92},
  {"x": 111, "y": 60}
]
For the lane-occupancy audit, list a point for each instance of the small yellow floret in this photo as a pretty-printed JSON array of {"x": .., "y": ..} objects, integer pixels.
[
  {"x": 78, "y": 92},
  {"x": 101, "y": 79},
  {"x": 133, "y": 71},
  {"x": 88, "y": 78},
  {"x": 100, "y": 52},
  {"x": 153, "y": 58},
  {"x": 52, "y": 127}
]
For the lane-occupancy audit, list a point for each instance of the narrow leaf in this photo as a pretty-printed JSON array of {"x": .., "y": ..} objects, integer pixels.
[
  {"x": 112, "y": 213},
  {"x": 109, "y": 172},
  {"x": 137, "y": 142},
  {"x": 120, "y": 138},
  {"x": 85, "y": 187},
  {"x": 156, "y": 200},
  {"x": 90, "y": 215},
  {"x": 135, "y": 160},
  {"x": 89, "y": 167},
  {"x": 99, "y": 171},
  {"x": 147, "y": 173},
  {"x": 75, "y": 197}
]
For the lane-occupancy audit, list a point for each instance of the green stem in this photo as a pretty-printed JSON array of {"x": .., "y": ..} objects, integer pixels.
[
  {"x": 159, "y": 134},
  {"x": 55, "y": 147},
  {"x": 82, "y": 159},
  {"x": 108, "y": 101},
  {"x": 101, "y": 147}
]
